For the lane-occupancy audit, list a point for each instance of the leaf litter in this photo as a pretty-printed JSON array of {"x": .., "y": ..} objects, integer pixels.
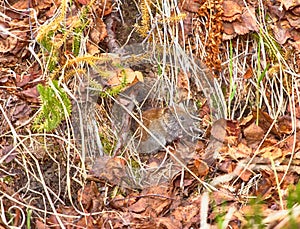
[{"x": 244, "y": 167}]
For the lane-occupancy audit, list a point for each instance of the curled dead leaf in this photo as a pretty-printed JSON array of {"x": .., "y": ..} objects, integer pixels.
[
  {"x": 22, "y": 111},
  {"x": 294, "y": 20},
  {"x": 281, "y": 34},
  {"x": 232, "y": 11},
  {"x": 247, "y": 22},
  {"x": 296, "y": 10},
  {"x": 249, "y": 19},
  {"x": 98, "y": 31},
  {"x": 288, "y": 4},
  {"x": 8, "y": 44}
]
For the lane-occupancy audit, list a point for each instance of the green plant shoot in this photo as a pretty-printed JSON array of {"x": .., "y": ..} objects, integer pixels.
[{"x": 54, "y": 100}]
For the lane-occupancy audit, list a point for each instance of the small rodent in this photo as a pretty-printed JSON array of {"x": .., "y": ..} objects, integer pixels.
[{"x": 167, "y": 125}]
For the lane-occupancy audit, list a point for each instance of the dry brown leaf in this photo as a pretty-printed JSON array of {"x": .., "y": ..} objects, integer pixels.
[
  {"x": 40, "y": 225},
  {"x": 281, "y": 34},
  {"x": 295, "y": 34},
  {"x": 223, "y": 195},
  {"x": 265, "y": 121},
  {"x": 294, "y": 20},
  {"x": 184, "y": 150},
  {"x": 98, "y": 31},
  {"x": 248, "y": 74},
  {"x": 241, "y": 151},
  {"x": 92, "y": 49},
  {"x": 8, "y": 154},
  {"x": 24, "y": 79},
  {"x": 103, "y": 7},
  {"x": 167, "y": 223},
  {"x": 245, "y": 175},
  {"x": 249, "y": 209},
  {"x": 130, "y": 75},
  {"x": 87, "y": 222},
  {"x": 202, "y": 168},
  {"x": 190, "y": 5},
  {"x": 296, "y": 10},
  {"x": 218, "y": 130},
  {"x": 21, "y": 5},
  {"x": 275, "y": 11},
  {"x": 88, "y": 195},
  {"x": 247, "y": 22},
  {"x": 83, "y": 2},
  {"x": 110, "y": 169},
  {"x": 289, "y": 3},
  {"x": 265, "y": 187},
  {"x": 31, "y": 95},
  {"x": 226, "y": 166},
  {"x": 254, "y": 133},
  {"x": 272, "y": 152},
  {"x": 240, "y": 28},
  {"x": 22, "y": 111},
  {"x": 186, "y": 214},
  {"x": 290, "y": 143},
  {"x": 140, "y": 206},
  {"x": 233, "y": 132},
  {"x": 284, "y": 124},
  {"x": 117, "y": 77},
  {"x": 119, "y": 201},
  {"x": 232, "y": 11},
  {"x": 66, "y": 210},
  {"x": 114, "y": 80},
  {"x": 8, "y": 44},
  {"x": 226, "y": 131},
  {"x": 245, "y": 121},
  {"x": 154, "y": 200},
  {"x": 228, "y": 29},
  {"x": 249, "y": 19}
]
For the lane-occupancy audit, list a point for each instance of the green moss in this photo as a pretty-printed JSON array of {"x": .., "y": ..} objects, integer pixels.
[
  {"x": 108, "y": 146},
  {"x": 78, "y": 30},
  {"x": 255, "y": 217},
  {"x": 54, "y": 104}
]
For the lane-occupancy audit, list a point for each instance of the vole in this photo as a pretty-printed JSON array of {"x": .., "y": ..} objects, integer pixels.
[{"x": 167, "y": 125}]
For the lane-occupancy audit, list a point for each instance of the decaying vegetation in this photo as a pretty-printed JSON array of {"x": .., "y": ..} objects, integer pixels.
[{"x": 149, "y": 114}]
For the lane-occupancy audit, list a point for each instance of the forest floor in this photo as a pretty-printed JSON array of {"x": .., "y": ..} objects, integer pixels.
[{"x": 72, "y": 71}]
